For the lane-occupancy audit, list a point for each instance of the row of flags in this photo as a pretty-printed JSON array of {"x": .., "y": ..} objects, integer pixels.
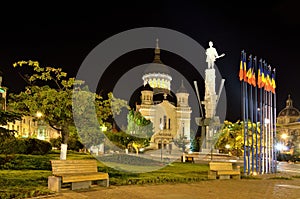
[
  {"x": 258, "y": 109},
  {"x": 257, "y": 73}
]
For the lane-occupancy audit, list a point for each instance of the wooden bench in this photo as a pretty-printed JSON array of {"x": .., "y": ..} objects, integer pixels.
[
  {"x": 223, "y": 170},
  {"x": 80, "y": 173},
  {"x": 188, "y": 158}
]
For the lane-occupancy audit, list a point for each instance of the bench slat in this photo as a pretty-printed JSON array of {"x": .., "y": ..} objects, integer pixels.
[
  {"x": 218, "y": 169},
  {"x": 234, "y": 172},
  {"x": 78, "y": 172},
  {"x": 84, "y": 177},
  {"x": 220, "y": 166},
  {"x": 60, "y": 167}
]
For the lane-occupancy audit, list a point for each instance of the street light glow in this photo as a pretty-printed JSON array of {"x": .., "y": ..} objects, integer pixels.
[
  {"x": 39, "y": 114},
  {"x": 284, "y": 136}
]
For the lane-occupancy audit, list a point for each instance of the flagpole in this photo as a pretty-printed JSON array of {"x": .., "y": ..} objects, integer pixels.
[
  {"x": 255, "y": 114},
  {"x": 271, "y": 150},
  {"x": 261, "y": 119},
  {"x": 250, "y": 153},
  {"x": 245, "y": 112},
  {"x": 274, "y": 120},
  {"x": 264, "y": 129}
]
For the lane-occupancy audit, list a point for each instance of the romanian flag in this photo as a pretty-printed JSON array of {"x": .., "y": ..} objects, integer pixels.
[
  {"x": 268, "y": 85},
  {"x": 259, "y": 76},
  {"x": 273, "y": 82},
  {"x": 261, "y": 80},
  {"x": 245, "y": 68},
  {"x": 249, "y": 71},
  {"x": 263, "y": 77},
  {"x": 253, "y": 80},
  {"x": 241, "y": 72}
]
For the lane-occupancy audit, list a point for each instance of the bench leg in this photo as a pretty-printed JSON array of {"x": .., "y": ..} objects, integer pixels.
[
  {"x": 212, "y": 175},
  {"x": 54, "y": 183},
  {"x": 236, "y": 177},
  {"x": 222, "y": 177},
  {"x": 81, "y": 185},
  {"x": 104, "y": 182}
]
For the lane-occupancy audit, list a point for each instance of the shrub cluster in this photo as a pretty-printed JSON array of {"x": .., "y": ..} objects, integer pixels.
[
  {"x": 25, "y": 162},
  {"x": 25, "y": 146},
  {"x": 73, "y": 143}
]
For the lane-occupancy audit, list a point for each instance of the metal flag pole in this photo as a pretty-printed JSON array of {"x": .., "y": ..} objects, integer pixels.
[{"x": 254, "y": 153}]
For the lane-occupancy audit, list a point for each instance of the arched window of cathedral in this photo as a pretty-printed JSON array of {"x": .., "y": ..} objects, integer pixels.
[{"x": 165, "y": 122}]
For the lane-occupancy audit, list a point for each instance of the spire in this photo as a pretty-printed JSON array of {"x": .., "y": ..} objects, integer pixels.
[
  {"x": 289, "y": 101},
  {"x": 157, "y": 54},
  {"x": 182, "y": 89}
]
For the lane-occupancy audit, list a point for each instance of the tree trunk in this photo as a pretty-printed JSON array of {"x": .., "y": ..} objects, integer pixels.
[{"x": 64, "y": 144}]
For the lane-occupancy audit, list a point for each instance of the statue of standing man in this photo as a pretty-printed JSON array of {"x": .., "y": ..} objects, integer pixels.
[{"x": 212, "y": 55}]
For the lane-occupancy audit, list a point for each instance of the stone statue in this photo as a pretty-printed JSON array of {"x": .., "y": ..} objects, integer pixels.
[{"x": 212, "y": 55}]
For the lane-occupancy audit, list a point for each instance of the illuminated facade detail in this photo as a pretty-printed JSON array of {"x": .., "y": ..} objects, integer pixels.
[
  {"x": 169, "y": 113},
  {"x": 288, "y": 128},
  {"x": 28, "y": 126}
]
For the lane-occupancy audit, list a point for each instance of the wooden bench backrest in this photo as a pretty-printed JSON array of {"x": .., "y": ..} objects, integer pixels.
[
  {"x": 216, "y": 166},
  {"x": 60, "y": 167}
]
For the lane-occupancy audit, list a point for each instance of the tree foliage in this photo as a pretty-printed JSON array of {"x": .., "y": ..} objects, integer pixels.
[
  {"x": 232, "y": 134},
  {"x": 51, "y": 92},
  {"x": 138, "y": 125}
]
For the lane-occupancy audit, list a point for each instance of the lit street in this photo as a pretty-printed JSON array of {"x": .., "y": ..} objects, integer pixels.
[{"x": 289, "y": 167}]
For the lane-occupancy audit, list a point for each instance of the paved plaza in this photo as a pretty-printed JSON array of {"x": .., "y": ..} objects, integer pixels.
[{"x": 263, "y": 188}]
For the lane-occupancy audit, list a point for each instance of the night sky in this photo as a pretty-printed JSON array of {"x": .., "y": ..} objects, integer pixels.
[{"x": 63, "y": 35}]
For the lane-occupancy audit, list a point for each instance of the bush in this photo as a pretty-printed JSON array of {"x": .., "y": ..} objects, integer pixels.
[
  {"x": 56, "y": 142},
  {"x": 73, "y": 143},
  {"x": 25, "y": 146},
  {"x": 22, "y": 162}
]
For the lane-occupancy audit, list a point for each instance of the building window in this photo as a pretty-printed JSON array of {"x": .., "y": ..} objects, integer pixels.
[
  {"x": 159, "y": 145},
  {"x": 169, "y": 123},
  {"x": 165, "y": 122}
]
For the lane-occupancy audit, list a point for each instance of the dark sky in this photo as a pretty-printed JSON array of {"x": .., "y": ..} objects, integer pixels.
[{"x": 63, "y": 35}]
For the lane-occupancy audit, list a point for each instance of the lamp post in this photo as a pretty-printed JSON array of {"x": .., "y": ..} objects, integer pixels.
[{"x": 161, "y": 144}]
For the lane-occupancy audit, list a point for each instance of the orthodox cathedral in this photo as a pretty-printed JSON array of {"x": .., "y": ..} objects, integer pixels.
[{"x": 170, "y": 113}]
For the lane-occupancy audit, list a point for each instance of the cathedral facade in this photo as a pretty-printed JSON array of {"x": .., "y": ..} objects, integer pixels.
[
  {"x": 288, "y": 128},
  {"x": 170, "y": 113}
]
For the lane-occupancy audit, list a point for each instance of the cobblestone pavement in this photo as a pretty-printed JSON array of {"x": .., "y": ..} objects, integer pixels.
[{"x": 263, "y": 188}]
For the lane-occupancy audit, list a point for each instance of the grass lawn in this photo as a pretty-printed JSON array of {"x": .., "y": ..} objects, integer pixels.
[{"x": 27, "y": 175}]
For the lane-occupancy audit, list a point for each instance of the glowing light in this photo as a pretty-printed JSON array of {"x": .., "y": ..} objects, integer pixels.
[
  {"x": 103, "y": 128},
  {"x": 284, "y": 136},
  {"x": 39, "y": 114},
  {"x": 227, "y": 146}
]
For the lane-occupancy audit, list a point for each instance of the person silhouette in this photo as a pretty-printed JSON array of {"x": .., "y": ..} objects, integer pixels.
[{"x": 212, "y": 55}]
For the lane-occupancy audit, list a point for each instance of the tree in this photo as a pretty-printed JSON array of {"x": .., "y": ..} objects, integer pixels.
[
  {"x": 232, "y": 134},
  {"x": 139, "y": 127},
  {"x": 51, "y": 92},
  {"x": 181, "y": 142}
]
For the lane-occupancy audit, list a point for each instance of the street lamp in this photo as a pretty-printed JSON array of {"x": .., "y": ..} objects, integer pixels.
[
  {"x": 161, "y": 144},
  {"x": 227, "y": 146}
]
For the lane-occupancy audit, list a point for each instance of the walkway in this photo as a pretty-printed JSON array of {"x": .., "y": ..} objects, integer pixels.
[{"x": 265, "y": 188}]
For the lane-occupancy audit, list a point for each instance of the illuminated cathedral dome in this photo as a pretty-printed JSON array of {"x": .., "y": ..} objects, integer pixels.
[
  {"x": 289, "y": 110},
  {"x": 289, "y": 114},
  {"x": 157, "y": 74}
]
